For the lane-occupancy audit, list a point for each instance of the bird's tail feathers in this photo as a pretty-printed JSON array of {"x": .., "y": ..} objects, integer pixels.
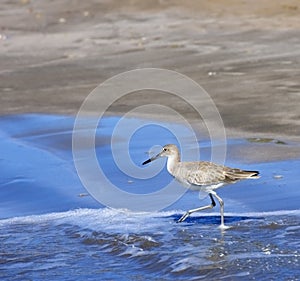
[{"x": 237, "y": 174}]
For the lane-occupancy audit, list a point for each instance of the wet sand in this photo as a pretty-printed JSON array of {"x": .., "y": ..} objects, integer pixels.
[
  {"x": 245, "y": 55},
  {"x": 39, "y": 175}
]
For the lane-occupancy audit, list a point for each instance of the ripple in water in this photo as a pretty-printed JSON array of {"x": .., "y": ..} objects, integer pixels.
[{"x": 90, "y": 244}]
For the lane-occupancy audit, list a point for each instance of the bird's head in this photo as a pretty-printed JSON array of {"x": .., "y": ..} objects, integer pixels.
[{"x": 167, "y": 151}]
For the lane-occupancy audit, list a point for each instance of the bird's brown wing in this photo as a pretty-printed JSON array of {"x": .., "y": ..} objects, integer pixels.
[
  {"x": 208, "y": 173},
  {"x": 204, "y": 173}
]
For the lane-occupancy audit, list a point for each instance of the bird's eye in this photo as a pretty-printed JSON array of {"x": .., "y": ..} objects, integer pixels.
[{"x": 165, "y": 149}]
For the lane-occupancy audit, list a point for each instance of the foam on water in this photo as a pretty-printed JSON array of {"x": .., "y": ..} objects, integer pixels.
[
  {"x": 116, "y": 219},
  {"x": 47, "y": 244},
  {"x": 47, "y": 231}
]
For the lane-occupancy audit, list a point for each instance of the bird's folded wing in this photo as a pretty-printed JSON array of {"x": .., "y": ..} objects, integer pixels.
[{"x": 205, "y": 173}]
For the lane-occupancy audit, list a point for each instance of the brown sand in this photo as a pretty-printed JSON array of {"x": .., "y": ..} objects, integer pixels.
[{"x": 245, "y": 54}]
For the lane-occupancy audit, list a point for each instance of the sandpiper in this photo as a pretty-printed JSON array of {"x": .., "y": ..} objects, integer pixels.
[{"x": 202, "y": 176}]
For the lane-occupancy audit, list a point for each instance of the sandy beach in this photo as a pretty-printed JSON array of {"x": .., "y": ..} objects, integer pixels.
[
  {"x": 55, "y": 223},
  {"x": 246, "y": 56}
]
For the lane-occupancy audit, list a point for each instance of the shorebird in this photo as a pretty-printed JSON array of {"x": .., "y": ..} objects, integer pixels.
[{"x": 202, "y": 176}]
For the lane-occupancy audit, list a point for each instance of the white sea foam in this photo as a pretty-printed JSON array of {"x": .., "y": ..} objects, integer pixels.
[{"x": 125, "y": 220}]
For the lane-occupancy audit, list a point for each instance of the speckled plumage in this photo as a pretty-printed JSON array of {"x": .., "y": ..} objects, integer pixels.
[{"x": 202, "y": 175}]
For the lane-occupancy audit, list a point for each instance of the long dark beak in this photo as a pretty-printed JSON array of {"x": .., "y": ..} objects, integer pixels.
[{"x": 151, "y": 159}]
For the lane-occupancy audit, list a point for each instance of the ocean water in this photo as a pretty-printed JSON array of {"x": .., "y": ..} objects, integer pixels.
[
  {"x": 51, "y": 229},
  {"x": 104, "y": 244}
]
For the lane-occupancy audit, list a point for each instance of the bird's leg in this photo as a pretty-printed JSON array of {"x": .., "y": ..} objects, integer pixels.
[
  {"x": 213, "y": 204},
  {"x": 221, "y": 208}
]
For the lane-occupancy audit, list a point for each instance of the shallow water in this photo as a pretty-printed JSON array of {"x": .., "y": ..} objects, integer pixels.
[
  {"x": 105, "y": 244},
  {"x": 51, "y": 229}
]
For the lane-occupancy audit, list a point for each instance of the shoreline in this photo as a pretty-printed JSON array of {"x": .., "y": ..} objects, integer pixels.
[
  {"x": 247, "y": 149},
  {"x": 245, "y": 56}
]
